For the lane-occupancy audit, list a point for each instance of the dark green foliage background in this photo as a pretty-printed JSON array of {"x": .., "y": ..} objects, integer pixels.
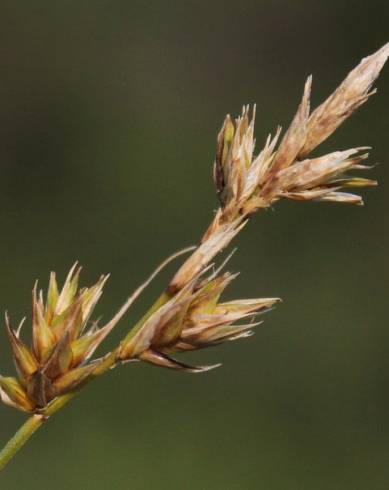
[{"x": 108, "y": 117}]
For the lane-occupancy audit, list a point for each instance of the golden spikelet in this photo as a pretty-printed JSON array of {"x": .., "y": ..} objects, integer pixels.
[
  {"x": 62, "y": 344},
  {"x": 193, "y": 319}
]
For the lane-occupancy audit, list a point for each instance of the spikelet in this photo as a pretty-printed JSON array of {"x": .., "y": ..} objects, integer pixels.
[
  {"x": 62, "y": 344},
  {"x": 245, "y": 183},
  {"x": 193, "y": 319}
]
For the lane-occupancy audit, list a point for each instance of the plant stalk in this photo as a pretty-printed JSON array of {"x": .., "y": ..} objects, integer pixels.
[{"x": 20, "y": 438}]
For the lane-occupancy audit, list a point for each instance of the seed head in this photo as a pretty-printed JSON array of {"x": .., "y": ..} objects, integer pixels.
[
  {"x": 63, "y": 342},
  {"x": 193, "y": 319},
  {"x": 191, "y": 316},
  {"x": 245, "y": 182}
]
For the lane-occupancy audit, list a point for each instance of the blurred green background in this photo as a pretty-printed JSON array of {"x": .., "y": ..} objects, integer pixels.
[{"x": 108, "y": 116}]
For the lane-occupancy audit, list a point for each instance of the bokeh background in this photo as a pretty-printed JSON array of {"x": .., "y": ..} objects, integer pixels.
[{"x": 108, "y": 116}]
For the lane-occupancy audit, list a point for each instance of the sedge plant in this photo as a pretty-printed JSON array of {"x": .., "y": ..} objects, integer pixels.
[{"x": 189, "y": 314}]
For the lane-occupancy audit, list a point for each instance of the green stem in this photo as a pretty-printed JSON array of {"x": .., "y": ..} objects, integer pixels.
[
  {"x": 20, "y": 438},
  {"x": 36, "y": 420}
]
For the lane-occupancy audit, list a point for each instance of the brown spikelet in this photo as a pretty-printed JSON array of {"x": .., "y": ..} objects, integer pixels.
[
  {"x": 249, "y": 183},
  {"x": 193, "y": 319},
  {"x": 62, "y": 343}
]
